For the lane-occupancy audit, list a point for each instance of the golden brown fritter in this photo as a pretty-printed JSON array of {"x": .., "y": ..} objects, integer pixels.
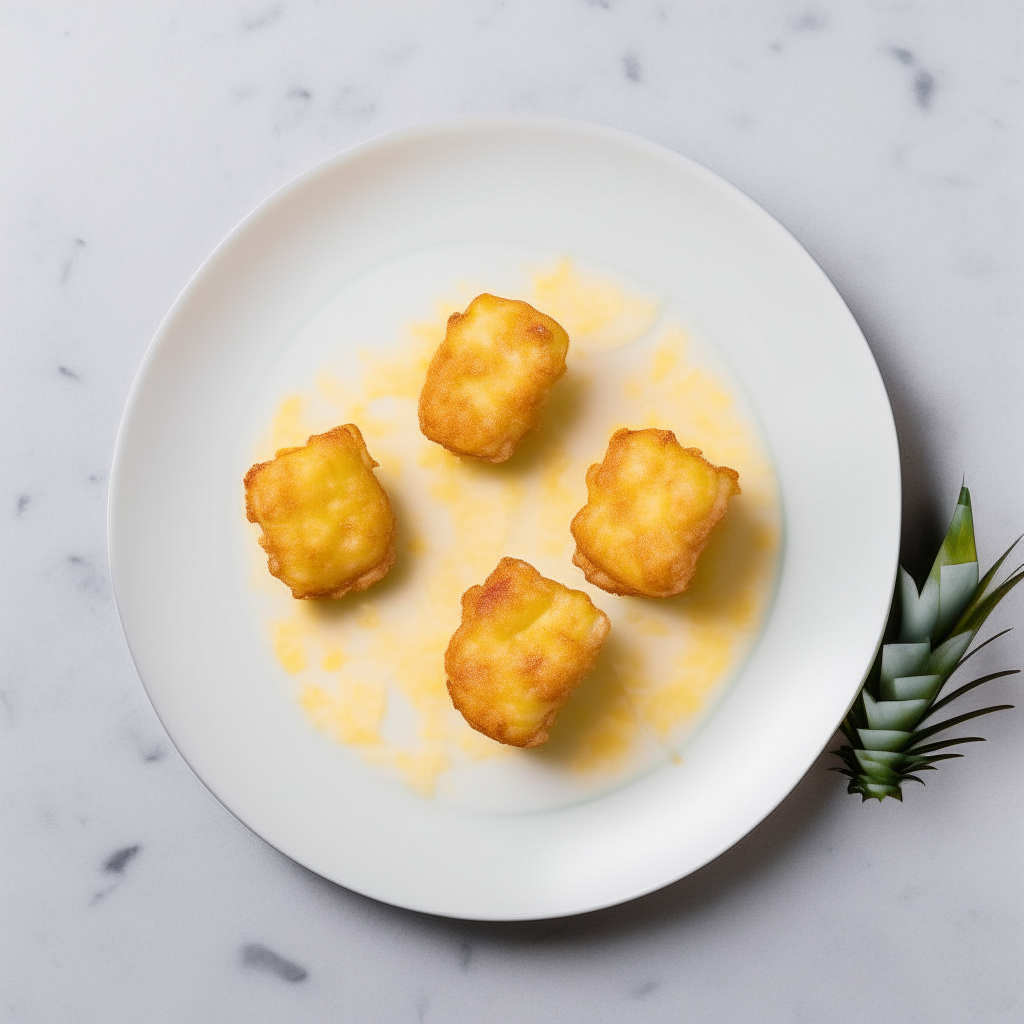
[
  {"x": 524, "y": 645},
  {"x": 327, "y": 523},
  {"x": 651, "y": 507},
  {"x": 490, "y": 378}
]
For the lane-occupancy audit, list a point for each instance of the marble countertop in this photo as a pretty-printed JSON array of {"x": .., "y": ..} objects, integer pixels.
[{"x": 886, "y": 136}]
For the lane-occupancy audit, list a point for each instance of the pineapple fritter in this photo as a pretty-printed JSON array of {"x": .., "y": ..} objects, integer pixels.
[
  {"x": 651, "y": 507},
  {"x": 490, "y": 378},
  {"x": 524, "y": 645},
  {"x": 327, "y": 523}
]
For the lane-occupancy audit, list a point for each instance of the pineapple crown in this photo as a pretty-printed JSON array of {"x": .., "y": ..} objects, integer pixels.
[{"x": 933, "y": 625}]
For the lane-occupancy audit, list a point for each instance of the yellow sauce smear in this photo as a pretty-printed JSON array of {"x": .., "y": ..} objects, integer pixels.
[{"x": 369, "y": 669}]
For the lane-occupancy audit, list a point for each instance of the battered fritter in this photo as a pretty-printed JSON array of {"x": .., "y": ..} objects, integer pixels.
[
  {"x": 327, "y": 523},
  {"x": 524, "y": 645},
  {"x": 490, "y": 378},
  {"x": 651, "y": 507}
]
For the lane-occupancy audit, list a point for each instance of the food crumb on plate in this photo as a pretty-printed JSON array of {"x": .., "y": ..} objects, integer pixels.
[{"x": 367, "y": 670}]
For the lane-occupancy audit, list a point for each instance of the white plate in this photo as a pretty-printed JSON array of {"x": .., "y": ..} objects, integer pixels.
[{"x": 539, "y": 185}]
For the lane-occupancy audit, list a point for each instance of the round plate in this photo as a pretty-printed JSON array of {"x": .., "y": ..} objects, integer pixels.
[{"x": 561, "y": 186}]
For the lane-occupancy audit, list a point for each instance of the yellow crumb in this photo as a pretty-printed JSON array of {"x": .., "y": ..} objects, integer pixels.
[
  {"x": 333, "y": 659},
  {"x": 705, "y": 661},
  {"x": 421, "y": 770},
  {"x": 352, "y": 715},
  {"x": 558, "y": 500},
  {"x": 369, "y": 671},
  {"x": 368, "y": 617},
  {"x": 668, "y": 354},
  {"x": 646, "y": 625},
  {"x": 289, "y": 637},
  {"x": 331, "y": 390},
  {"x": 289, "y": 428},
  {"x": 597, "y": 313}
]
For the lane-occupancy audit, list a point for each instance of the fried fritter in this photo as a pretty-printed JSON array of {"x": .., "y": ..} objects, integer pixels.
[
  {"x": 524, "y": 645},
  {"x": 327, "y": 523},
  {"x": 490, "y": 378},
  {"x": 651, "y": 507}
]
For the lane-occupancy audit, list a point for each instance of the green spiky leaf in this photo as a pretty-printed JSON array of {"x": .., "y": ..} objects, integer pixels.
[
  {"x": 945, "y": 743},
  {"x": 987, "y": 580},
  {"x": 933, "y": 730},
  {"x": 935, "y": 626},
  {"x": 967, "y": 687},
  {"x": 985, "y": 643}
]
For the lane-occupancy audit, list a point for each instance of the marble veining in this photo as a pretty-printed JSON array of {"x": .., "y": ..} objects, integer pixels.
[
  {"x": 644, "y": 990},
  {"x": 923, "y": 83},
  {"x": 809, "y": 21},
  {"x": 262, "y": 21},
  {"x": 154, "y": 753},
  {"x": 87, "y": 575},
  {"x": 885, "y": 136},
  {"x": 260, "y": 958},
  {"x": 118, "y": 860},
  {"x": 68, "y": 266},
  {"x": 116, "y": 865}
]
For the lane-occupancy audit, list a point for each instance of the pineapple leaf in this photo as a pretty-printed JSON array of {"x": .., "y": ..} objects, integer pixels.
[
  {"x": 971, "y": 654},
  {"x": 957, "y": 586},
  {"x": 945, "y": 743},
  {"x": 847, "y": 755},
  {"x": 950, "y": 653},
  {"x": 871, "y": 790},
  {"x": 974, "y": 616},
  {"x": 950, "y": 722},
  {"x": 918, "y": 610},
  {"x": 848, "y": 728},
  {"x": 926, "y": 640},
  {"x": 937, "y": 757},
  {"x": 957, "y": 546},
  {"x": 879, "y": 773},
  {"x": 885, "y": 739},
  {"x": 986, "y": 580},
  {"x": 960, "y": 691}
]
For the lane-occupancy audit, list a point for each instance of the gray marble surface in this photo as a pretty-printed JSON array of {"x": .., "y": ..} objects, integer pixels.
[{"x": 886, "y": 136}]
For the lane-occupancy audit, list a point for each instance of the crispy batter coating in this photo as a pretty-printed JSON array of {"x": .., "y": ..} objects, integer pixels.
[
  {"x": 524, "y": 645},
  {"x": 490, "y": 378},
  {"x": 651, "y": 507},
  {"x": 327, "y": 523}
]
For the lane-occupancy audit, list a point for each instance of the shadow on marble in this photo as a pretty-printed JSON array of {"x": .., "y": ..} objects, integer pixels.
[{"x": 926, "y": 508}]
